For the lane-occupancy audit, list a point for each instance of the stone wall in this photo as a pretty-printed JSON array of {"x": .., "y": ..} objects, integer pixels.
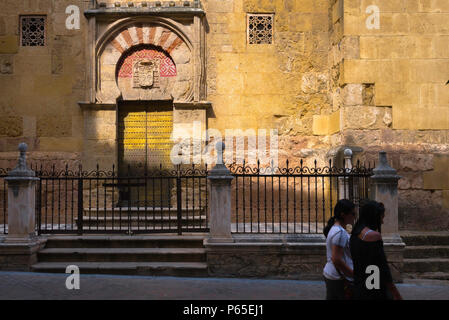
[
  {"x": 280, "y": 257},
  {"x": 40, "y": 86},
  {"x": 396, "y": 99},
  {"x": 326, "y": 82},
  {"x": 270, "y": 86}
]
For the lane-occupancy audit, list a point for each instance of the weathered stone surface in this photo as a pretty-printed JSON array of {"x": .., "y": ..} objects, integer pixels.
[
  {"x": 416, "y": 162},
  {"x": 292, "y": 260},
  {"x": 61, "y": 144},
  {"x": 9, "y": 44},
  {"x": 53, "y": 126},
  {"x": 352, "y": 94},
  {"x": 295, "y": 85},
  {"x": 410, "y": 180},
  {"x": 422, "y": 210},
  {"x": 365, "y": 117},
  {"x": 11, "y": 126},
  {"x": 439, "y": 177},
  {"x": 6, "y": 64}
]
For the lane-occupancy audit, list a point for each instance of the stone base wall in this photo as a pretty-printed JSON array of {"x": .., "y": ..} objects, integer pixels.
[
  {"x": 423, "y": 189},
  {"x": 297, "y": 257},
  {"x": 19, "y": 256}
]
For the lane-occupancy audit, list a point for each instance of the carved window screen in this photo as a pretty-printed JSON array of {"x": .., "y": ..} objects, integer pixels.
[
  {"x": 260, "y": 28},
  {"x": 32, "y": 31}
]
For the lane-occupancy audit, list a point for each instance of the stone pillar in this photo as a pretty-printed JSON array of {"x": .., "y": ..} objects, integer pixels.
[
  {"x": 343, "y": 182},
  {"x": 19, "y": 250},
  {"x": 220, "y": 200},
  {"x": 384, "y": 188},
  {"x": 21, "y": 201}
]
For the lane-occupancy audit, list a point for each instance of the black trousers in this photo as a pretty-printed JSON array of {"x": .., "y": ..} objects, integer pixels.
[{"x": 334, "y": 289}]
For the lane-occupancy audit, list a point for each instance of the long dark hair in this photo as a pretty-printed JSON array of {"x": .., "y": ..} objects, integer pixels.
[
  {"x": 342, "y": 206},
  {"x": 370, "y": 216}
]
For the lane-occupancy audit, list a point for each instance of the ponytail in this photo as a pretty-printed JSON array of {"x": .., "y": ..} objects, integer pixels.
[
  {"x": 342, "y": 206},
  {"x": 330, "y": 223}
]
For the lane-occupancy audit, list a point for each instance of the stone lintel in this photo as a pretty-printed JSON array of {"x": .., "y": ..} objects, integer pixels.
[
  {"x": 148, "y": 11},
  {"x": 193, "y": 105},
  {"x": 86, "y": 105},
  {"x": 94, "y": 106}
]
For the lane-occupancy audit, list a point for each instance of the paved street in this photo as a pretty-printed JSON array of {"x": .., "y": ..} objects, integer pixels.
[{"x": 21, "y": 285}]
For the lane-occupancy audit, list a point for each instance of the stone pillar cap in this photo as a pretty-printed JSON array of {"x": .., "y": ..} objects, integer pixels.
[
  {"x": 220, "y": 171},
  {"x": 383, "y": 169},
  {"x": 21, "y": 170}
]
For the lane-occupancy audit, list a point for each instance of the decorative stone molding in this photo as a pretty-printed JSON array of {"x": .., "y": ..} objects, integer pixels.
[{"x": 173, "y": 42}]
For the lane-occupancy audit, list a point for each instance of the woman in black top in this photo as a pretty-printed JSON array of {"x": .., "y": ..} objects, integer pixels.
[{"x": 367, "y": 250}]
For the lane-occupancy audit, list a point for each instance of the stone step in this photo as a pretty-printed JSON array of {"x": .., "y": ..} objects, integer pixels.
[
  {"x": 140, "y": 211},
  {"x": 149, "y": 221},
  {"x": 426, "y": 265},
  {"x": 122, "y": 241},
  {"x": 148, "y": 217},
  {"x": 427, "y": 275},
  {"x": 439, "y": 238},
  {"x": 424, "y": 252},
  {"x": 177, "y": 269},
  {"x": 123, "y": 229},
  {"x": 122, "y": 255}
]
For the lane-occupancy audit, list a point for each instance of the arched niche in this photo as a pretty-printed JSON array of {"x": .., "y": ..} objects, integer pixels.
[{"x": 142, "y": 59}]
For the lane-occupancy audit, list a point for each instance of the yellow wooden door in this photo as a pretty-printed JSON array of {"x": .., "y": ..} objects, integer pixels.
[{"x": 144, "y": 146}]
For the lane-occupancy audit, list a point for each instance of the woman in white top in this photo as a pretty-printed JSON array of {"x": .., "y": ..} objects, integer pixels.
[{"x": 339, "y": 263}]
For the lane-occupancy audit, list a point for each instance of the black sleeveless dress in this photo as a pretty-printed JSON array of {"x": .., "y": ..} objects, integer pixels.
[{"x": 365, "y": 254}]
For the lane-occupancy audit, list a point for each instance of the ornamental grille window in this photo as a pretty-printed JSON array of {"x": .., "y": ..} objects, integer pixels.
[
  {"x": 260, "y": 28},
  {"x": 32, "y": 31}
]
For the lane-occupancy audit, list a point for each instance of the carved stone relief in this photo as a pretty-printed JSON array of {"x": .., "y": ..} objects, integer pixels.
[{"x": 146, "y": 61}]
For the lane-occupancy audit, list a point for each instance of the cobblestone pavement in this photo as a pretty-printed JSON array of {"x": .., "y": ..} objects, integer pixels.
[{"x": 23, "y": 285}]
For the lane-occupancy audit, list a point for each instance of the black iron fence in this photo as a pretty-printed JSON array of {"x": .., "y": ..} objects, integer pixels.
[
  {"x": 296, "y": 199},
  {"x": 290, "y": 199},
  {"x": 3, "y": 201},
  {"x": 157, "y": 201}
]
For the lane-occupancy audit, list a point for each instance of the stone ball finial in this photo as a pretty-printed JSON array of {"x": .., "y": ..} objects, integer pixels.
[
  {"x": 348, "y": 153},
  {"x": 21, "y": 170},
  {"x": 23, "y": 147}
]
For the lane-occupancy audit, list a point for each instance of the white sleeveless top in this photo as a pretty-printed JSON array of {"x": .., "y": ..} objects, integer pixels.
[{"x": 340, "y": 237}]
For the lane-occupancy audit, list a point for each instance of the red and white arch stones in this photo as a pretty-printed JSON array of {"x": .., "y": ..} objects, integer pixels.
[{"x": 146, "y": 34}]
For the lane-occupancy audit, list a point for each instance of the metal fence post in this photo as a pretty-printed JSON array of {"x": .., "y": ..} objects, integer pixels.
[
  {"x": 179, "y": 199},
  {"x": 80, "y": 205},
  {"x": 39, "y": 208}
]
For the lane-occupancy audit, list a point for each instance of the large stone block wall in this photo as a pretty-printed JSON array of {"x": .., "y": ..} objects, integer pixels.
[
  {"x": 326, "y": 82},
  {"x": 41, "y": 86},
  {"x": 281, "y": 86},
  {"x": 390, "y": 93},
  {"x": 302, "y": 258}
]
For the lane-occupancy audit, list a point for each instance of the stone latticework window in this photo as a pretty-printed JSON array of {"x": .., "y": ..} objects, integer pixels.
[
  {"x": 32, "y": 31},
  {"x": 260, "y": 28}
]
